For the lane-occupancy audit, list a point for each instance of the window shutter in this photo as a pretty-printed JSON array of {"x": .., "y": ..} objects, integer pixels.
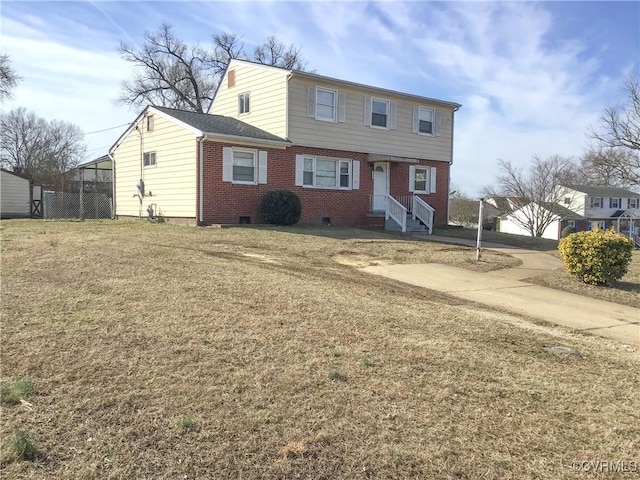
[
  {"x": 438, "y": 120},
  {"x": 299, "y": 170},
  {"x": 367, "y": 111},
  {"x": 355, "y": 171},
  {"x": 432, "y": 179},
  {"x": 393, "y": 113},
  {"x": 311, "y": 102},
  {"x": 342, "y": 106},
  {"x": 262, "y": 167},
  {"x": 611, "y": 203},
  {"x": 412, "y": 178},
  {"x": 227, "y": 164},
  {"x": 416, "y": 119}
]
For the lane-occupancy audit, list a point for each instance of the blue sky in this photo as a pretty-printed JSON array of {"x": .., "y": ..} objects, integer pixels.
[{"x": 532, "y": 76}]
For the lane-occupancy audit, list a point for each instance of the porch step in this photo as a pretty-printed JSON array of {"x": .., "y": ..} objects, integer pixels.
[{"x": 413, "y": 226}]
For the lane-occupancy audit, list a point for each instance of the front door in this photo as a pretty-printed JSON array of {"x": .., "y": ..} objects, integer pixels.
[{"x": 380, "y": 186}]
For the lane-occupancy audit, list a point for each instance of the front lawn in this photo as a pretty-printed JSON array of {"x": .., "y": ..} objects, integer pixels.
[{"x": 165, "y": 352}]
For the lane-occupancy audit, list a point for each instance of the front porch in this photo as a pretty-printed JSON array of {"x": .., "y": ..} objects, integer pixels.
[{"x": 405, "y": 213}]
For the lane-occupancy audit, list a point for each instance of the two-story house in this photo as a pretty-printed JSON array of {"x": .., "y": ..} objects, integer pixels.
[
  {"x": 355, "y": 154},
  {"x": 603, "y": 207}
]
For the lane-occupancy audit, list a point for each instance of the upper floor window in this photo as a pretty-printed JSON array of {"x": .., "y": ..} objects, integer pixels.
[
  {"x": 379, "y": 113},
  {"x": 150, "y": 123},
  {"x": 615, "y": 203},
  {"x": 326, "y": 172},
  {"x": 425, "y": 120},
  {"x": 595, "y": 202},
  {"x": 149, "y": 159},
  {"x": 243, "y": 103},
  {"x": 567, "y": 200},
  {"x": 633, "y": 202},
  {"x": 326, "y": 104}
]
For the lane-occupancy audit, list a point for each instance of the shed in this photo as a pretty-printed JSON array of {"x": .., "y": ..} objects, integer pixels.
[{"x": 15, "y": 195}]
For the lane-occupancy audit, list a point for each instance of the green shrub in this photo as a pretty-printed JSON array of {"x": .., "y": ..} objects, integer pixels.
[
  {"x": 281, "y": 207},
  {"x": 12, "y": 392},
  {"x": 596, "y": 257},
  {"x": 22, "y": 446},
  {"x": 566, "y": 231}
]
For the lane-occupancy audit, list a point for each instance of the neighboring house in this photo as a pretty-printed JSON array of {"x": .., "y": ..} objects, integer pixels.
[
  {"x": 495, "y": 207},
  {"x": 603, "y": 207},
  {"x": 584, "y": 207},
  {"x": 354, "y": 154},
  {"x": 533, "y": 214},
  {"x": 15, "y": 195}
]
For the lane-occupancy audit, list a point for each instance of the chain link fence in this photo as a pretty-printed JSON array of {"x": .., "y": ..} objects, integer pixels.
[{"x": 71, "y": 205}]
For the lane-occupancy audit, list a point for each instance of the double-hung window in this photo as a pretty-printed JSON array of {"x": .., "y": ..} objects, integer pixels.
[
  {"x": 379, "y": 113},
  {"x": 595, "y": 202},
  {"x": 422, "y": 179},
  {"x": 325, "y": 172},
  {"x": 244, "y": 166},
  {"x": 633, "y": 202},
  {"x": 426, "y": 120},
  {"x": 150, "y": 123},
  {"x": 615, "y": 203},
  {"x": 326, "y": 104},
  {"x": 243, "y": 103},
  {"x": 149, "y": 159}
]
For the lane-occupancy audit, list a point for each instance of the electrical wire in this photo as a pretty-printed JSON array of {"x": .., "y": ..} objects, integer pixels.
[{"x": 107, "y": 129}]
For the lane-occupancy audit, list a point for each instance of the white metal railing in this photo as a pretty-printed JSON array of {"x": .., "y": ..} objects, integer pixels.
[
  {"x": 397, "y": 212},
  {"x": 423, "y": 212}
]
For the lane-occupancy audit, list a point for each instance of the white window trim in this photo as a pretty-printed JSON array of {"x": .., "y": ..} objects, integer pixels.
[
  {"x": 335, "y": 105},
  {"x": 633, "y": 202},
  {"x": 433, "y": 122},
  {"x": 337, "y": 161},
  {"x": 427, "y": 181},
  {"x": 255, "y": 166},
  {"x": 240, "y": 95},
  {"x": 388, "y": 103},
  {"x": 155, "y": 159},
  {"x": 591, "y": 202},
  {"x": 150, "y": 123}
]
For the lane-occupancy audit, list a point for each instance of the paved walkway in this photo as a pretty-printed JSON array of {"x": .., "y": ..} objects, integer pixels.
[{"x": 505, "y": 289}]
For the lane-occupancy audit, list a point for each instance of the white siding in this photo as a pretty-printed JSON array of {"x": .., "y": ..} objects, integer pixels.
[
  {"x": 15, "y": 195},
  {"x": 268, "y": 100},
  {"x": 509, "y": 225},
  {"x": 172, "y": 182},
  {"x": 354, "y": 135}
]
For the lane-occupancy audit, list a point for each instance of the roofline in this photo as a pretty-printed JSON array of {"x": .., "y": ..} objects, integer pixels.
[
  {"x": 103, "y": 158},
  {"x": 578, "y": 187},
  {"x": 300, "y": 73},
  {"x": 251, "y": 140}
]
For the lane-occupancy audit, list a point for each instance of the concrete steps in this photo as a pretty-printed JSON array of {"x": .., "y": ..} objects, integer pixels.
[{"x": 413, "y": 226}]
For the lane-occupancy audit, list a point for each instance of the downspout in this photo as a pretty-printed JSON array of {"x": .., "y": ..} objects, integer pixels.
[
  {"x": 113, "y": 185},
  {"x": 201, "y": 181},
  {"x": 451, "y": 162}
]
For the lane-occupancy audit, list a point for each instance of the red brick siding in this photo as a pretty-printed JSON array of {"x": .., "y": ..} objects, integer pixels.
[{"x": 225, "y": 202}]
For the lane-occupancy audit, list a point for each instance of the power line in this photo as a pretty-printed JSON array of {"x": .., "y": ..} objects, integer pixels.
[{"x": 107, "y": 129}]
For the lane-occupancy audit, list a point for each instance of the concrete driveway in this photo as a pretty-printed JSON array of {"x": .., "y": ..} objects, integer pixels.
[{"x": 505, "y": 289}]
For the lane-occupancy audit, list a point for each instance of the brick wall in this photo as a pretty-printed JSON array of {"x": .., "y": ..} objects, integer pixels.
[{"x": 225, "y": 202}]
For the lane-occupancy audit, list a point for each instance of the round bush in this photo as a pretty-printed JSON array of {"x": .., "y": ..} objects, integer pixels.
[
  {"x": 281, "y": 207},
  {"x": 596, "y": 257},
  {"x": 566, "y": 231}
]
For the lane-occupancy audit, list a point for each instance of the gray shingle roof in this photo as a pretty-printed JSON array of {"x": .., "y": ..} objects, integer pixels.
[
  {"x": 604, "y": 191},
  {"x": 220, "y": 124}
]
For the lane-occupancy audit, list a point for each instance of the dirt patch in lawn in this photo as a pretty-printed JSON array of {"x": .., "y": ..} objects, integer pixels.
[{"x": 164, "y": 352}]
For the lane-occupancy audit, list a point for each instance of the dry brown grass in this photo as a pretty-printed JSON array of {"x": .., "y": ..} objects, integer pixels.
[
  {"x": 521, "y": 241},
  {"x": 126, "y": 328}
]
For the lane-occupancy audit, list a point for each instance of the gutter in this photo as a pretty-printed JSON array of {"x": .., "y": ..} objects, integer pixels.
[
  {"x": 113, "y": 184},
  {"x": 254, "y": 141},
  {"x": 201, "y": 181}
]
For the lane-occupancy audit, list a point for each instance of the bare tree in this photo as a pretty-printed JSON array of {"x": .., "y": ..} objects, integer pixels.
[
  {"x": 618, "y": 167},
  {"x": 535, "y": 190},
  {"x": 173, "y": 74},
  {"x": 8, "y": 77},
  {"x": 38, "y": 149},
  {"x": 618, "y": 133}
]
